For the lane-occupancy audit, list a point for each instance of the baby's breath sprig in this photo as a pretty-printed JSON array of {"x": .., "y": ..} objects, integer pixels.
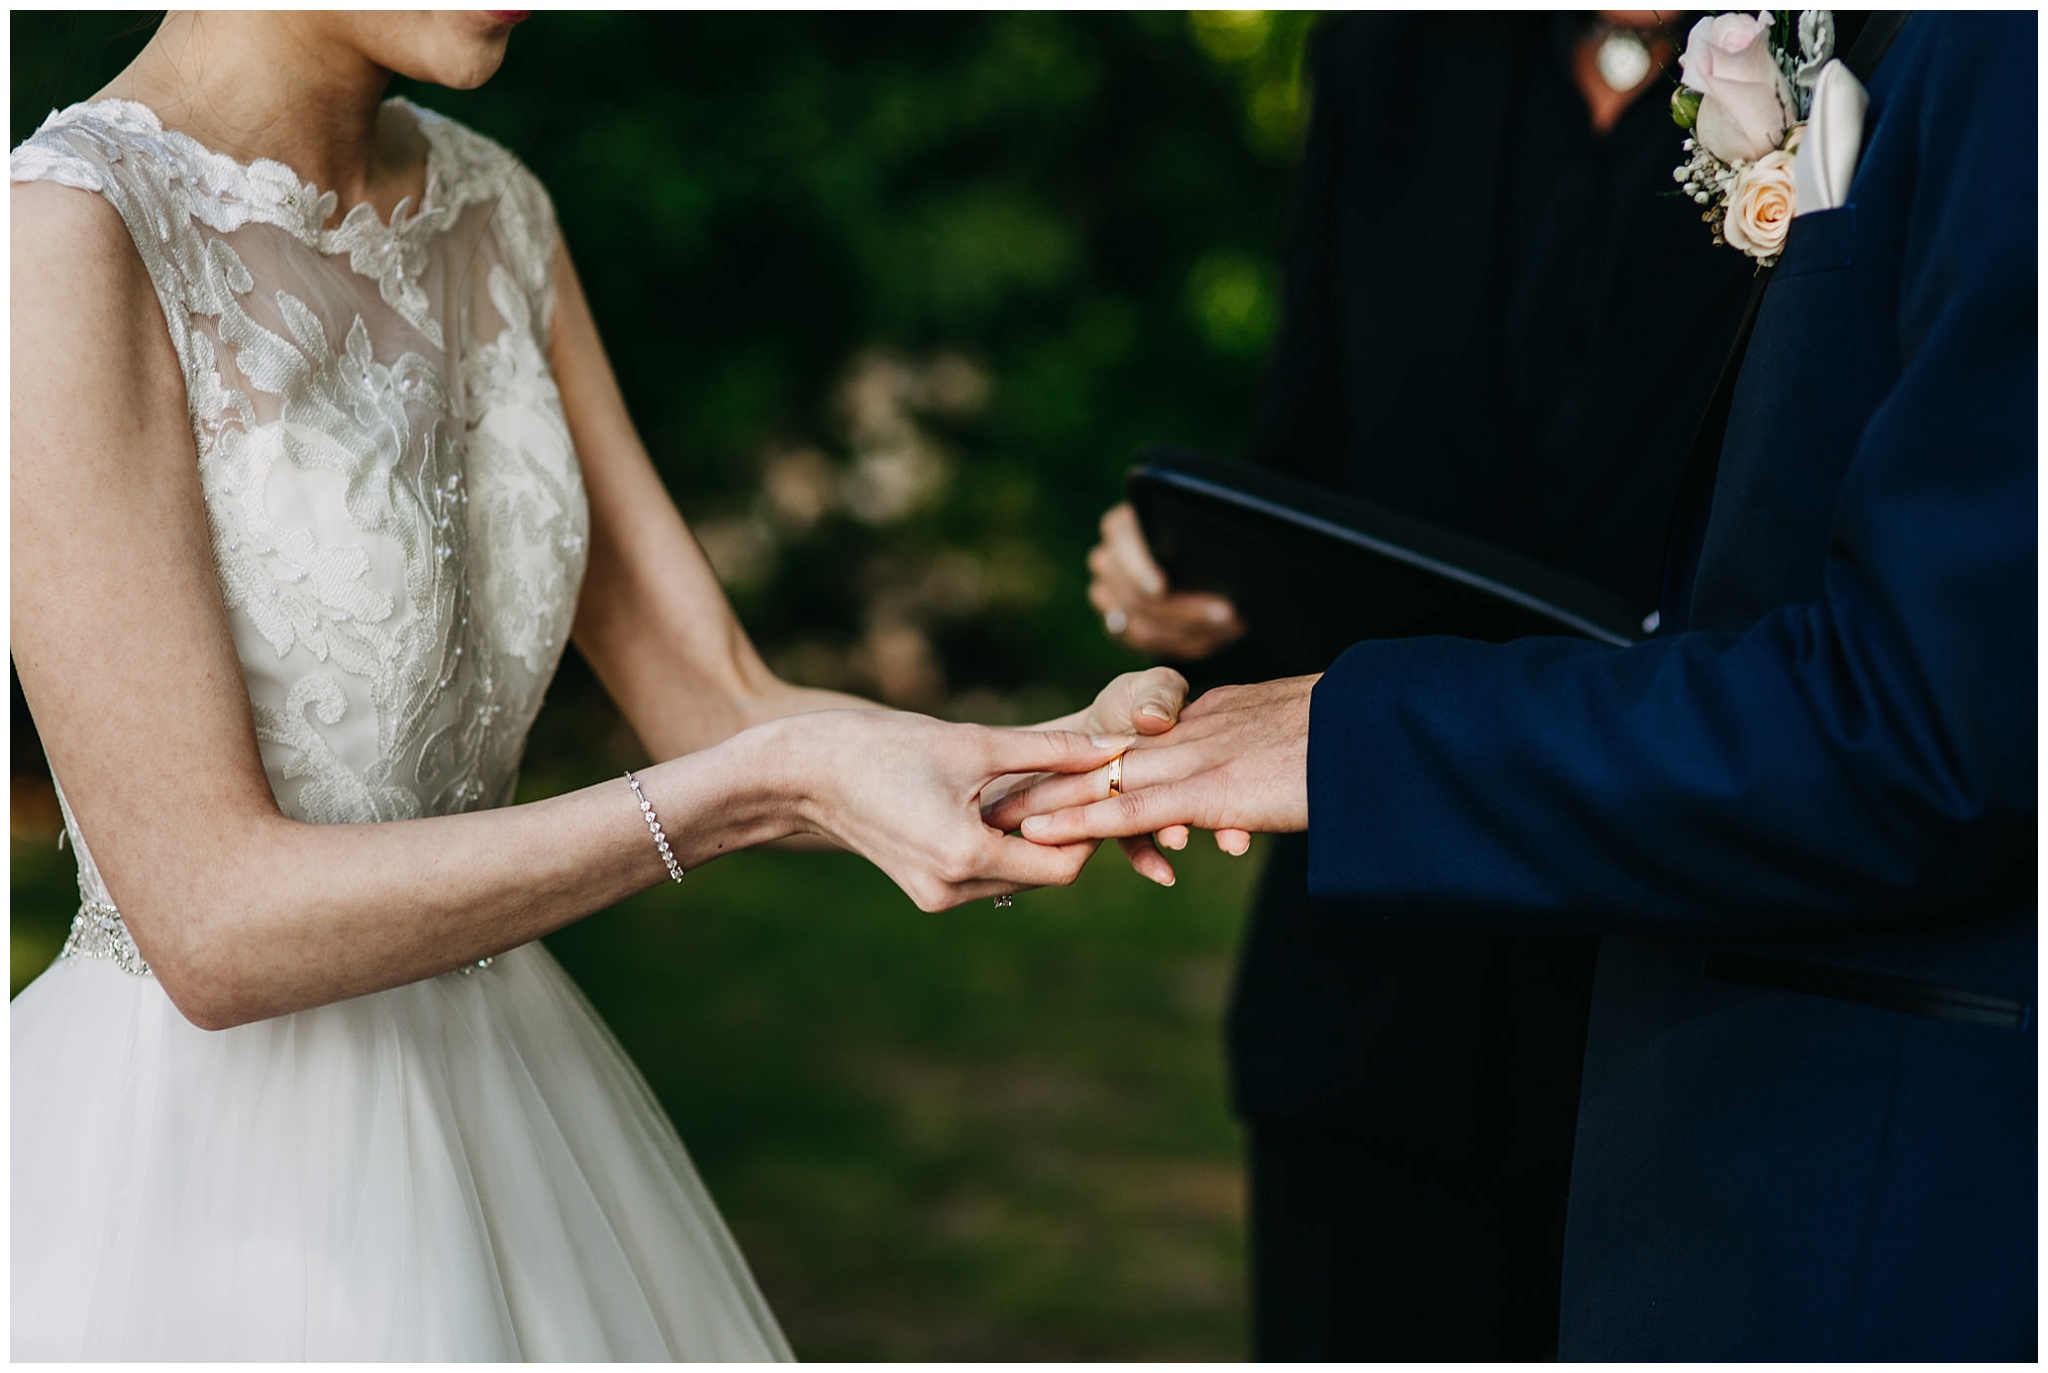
[{"x": 1706, "y": 181}]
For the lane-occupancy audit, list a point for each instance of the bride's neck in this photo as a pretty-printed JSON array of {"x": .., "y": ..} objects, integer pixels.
[{"x": 278, "y": 84}]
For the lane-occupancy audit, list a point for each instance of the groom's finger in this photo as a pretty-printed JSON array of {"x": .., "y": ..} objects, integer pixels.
[
  {"x": 1144, "y": 769},
  {"x": 1134, "y": 812},
  {"x": 1058, "y": 792},
  {"x": 1146, "y": 860}
]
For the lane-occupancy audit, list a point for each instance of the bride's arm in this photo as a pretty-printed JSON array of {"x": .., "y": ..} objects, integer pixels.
[
  {"x": 124, "y": 653},
  {"x": 653, "y": 621}
]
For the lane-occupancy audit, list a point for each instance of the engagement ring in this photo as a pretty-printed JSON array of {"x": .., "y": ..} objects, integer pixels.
[{"x": 1005, "y": 901}]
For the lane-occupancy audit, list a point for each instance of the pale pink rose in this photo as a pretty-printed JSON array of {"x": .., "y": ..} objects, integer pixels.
[
  {"x": 1746, "y": 101},
  {"x": 1761, "y": 204}
]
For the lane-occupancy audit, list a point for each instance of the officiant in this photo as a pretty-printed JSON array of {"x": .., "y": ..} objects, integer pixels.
[{"x": 1499, "y": 316}]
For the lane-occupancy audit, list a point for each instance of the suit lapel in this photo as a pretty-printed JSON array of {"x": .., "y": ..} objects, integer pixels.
[{"x": 1688, "y": 524}]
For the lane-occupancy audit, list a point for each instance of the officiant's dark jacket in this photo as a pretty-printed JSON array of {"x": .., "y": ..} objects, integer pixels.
[
  {"x": 1503, "y": 323},
  {"x": 1807, "y": 807}
]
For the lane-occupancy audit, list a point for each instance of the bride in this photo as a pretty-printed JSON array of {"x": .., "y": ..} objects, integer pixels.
[{"x": 306, "y": 505}]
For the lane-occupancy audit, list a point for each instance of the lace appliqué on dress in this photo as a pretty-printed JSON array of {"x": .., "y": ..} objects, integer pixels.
[
  {"x": 397, "y": 513},
  {"x": 536, "y": 553}
]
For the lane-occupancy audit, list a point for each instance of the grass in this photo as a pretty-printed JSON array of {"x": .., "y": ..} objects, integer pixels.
[{"x": 982, "y": 1135}]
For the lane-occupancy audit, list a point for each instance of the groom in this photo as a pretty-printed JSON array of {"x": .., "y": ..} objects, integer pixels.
[{"x": 1804, "y": 813}]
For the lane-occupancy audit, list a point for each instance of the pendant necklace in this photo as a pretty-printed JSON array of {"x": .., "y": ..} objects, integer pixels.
[{"x": 1622, "y": 59}]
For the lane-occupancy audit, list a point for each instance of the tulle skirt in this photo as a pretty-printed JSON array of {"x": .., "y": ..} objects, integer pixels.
[{"x": 465, "y": 1168}]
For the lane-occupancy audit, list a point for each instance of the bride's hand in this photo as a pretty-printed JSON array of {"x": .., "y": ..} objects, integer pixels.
[
  {"x": 1145, "y": 702},
  {"x": 906, "y": 792}
]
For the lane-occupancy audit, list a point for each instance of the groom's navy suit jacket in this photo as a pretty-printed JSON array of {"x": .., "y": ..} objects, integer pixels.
[{"x": 1805, "y": 812}]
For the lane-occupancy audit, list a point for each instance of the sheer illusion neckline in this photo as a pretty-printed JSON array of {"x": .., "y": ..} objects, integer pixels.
[{"x": 282, "y": 197}]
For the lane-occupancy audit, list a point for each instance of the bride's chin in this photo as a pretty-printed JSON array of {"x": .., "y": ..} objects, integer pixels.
[
  {"x": 471, "y": 80},
  {"x": 460, "y": 49},
  {"x": 475, "y": 61}
]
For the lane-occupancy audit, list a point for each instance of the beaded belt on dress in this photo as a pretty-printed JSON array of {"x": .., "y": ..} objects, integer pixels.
[{"x": 98, "y": 931}]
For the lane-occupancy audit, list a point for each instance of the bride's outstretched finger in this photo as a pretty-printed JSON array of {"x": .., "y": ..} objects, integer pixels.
[{"x": 1009, "y": 752}]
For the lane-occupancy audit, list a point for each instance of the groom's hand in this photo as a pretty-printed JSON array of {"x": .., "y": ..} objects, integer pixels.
[
  {"x": 1238, "y": 760},
  {"x": 1142, "y": 703}
]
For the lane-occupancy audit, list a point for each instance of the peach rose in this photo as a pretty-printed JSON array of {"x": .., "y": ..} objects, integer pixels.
[
  {"x": 1761, "y": 204},
  {"x": 1746, "y": 103}
]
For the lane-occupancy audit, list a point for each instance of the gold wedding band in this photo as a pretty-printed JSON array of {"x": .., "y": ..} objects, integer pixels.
[{"x": 1116, "y": 775}]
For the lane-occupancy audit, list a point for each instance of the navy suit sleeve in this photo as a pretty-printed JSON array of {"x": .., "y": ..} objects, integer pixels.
[{"x": 1867, "y": 753}]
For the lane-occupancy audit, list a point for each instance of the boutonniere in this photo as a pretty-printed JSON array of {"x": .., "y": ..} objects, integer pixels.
[{"x": 1745, "y": 87}]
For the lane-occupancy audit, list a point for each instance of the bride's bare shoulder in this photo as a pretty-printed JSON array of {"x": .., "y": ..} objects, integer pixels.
[
  {"x": 63, "y": 229},
  {"x": 89, "y": 342}
]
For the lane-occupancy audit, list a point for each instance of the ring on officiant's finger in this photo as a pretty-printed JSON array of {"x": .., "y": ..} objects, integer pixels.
[
  {"x": 1116, "y": 775},
  {"x": 1005, "y": 901},
  {"x": 1115, "y": 621}
]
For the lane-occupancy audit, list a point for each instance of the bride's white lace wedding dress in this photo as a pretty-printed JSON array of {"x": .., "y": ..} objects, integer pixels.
[{"x": 464, "y": 1168}]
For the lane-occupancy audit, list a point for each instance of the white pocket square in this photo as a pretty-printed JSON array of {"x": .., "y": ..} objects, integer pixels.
[{"x": 1826, "y": 160}]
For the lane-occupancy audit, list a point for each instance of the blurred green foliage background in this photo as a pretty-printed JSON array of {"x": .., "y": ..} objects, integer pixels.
[{"x": 893, "y": 298}]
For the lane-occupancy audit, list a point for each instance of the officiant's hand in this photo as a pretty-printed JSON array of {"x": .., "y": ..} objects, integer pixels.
[
  {"x": 1138, "y": 607},
  {"x": 1237, "y": 761}
]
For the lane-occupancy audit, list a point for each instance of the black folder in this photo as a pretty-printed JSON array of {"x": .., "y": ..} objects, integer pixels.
[{"x": 1313, "y": 571}]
